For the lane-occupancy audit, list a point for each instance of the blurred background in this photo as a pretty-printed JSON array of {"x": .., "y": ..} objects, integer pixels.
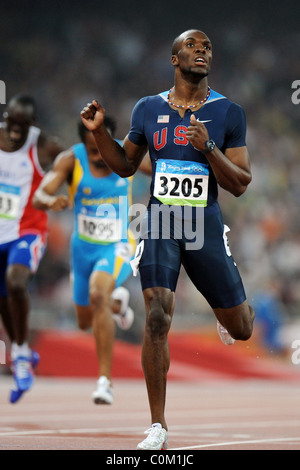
[{"x": 65, "y": 53}]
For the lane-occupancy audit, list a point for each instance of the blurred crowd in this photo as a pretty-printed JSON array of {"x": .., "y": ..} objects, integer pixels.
[{"x": 66, "y": 63}]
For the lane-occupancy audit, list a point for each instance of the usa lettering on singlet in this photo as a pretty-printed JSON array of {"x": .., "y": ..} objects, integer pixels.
[
  {"x": 20, "y": 175},
  {"x": 182, "y": 174}
]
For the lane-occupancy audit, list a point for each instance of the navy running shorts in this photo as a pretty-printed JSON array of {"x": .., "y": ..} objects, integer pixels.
[{"x": 166, "y": 246}]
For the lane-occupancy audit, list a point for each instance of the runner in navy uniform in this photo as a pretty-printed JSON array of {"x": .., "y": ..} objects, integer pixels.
[{"x": 196, "y": 140}]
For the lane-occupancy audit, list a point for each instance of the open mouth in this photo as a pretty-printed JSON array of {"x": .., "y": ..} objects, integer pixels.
[
  {"x": 200, "y": 60},
  {"x": 15, "y": 136},
  {"x": 100, "y": 163}
]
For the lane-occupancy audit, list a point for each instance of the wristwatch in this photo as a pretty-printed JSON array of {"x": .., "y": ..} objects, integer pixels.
[{"x": 210, "y": 145}]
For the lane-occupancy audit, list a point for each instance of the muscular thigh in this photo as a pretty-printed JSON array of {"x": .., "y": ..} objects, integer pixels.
[
  {"x": 3, "y": 265},
  {"x": 237, "y": 320},
  {"x": 112, "y": 259},
  {"x": 101, "y": 285},
  {"x": 212, "y": 269},
  {"x": 26, "y": 252},
  {"x": 84, "y": 316},
  {"x": 160, "y": 263}
]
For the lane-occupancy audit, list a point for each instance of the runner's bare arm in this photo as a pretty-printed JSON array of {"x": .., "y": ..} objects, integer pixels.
[
  {"x": 231, "y": 169},
  {"x": 146, "y": 165},
  {"x": 49, "y": 147},
  {"x": 122, "y": 160},
  {"x": 45, "y": 196}
]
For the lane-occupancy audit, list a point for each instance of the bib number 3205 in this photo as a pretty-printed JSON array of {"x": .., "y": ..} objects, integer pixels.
[
  {"x": 183, "y": 187},
  {"x": 176, "y": 186}
]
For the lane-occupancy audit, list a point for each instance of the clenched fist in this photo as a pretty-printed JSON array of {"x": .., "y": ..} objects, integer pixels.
[{"x": 92, "y": 115}]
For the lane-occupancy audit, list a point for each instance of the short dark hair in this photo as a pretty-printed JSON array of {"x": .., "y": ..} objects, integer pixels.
[
  {"x": 24, "y": 100},
  {"x": 109, "y": 123},
  {"x": 178, "y": 39}
]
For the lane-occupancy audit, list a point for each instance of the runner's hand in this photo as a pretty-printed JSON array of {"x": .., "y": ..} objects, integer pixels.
[
  {"x": 197, "y": 134},
  {"x": 92, "y": 115},
  {"x": 60, "y": 203}
]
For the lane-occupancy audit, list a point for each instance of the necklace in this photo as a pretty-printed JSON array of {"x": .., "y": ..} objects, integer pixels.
[{"x": 188, "y": 106}]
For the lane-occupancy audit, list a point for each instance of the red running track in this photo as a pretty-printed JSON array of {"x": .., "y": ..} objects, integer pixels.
[
  {"x": 218, "y": 398},
  {"x": 58, "y": 414}
]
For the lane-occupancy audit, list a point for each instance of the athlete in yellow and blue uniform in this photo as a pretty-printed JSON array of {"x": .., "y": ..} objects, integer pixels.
[
  {"x": 101, "y": 245},
  {"x": 100, "y": 240}
]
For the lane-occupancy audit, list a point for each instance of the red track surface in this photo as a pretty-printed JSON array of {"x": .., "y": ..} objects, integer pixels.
[
  {"x": 58, "y": 414},
  {"x": 218, "y": 398},
  {"x": 194, "y": 356}
]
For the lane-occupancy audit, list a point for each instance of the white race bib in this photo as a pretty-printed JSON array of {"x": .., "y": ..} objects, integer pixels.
[
  {"x": 99, "y": 229},
  {"x": 9, "y": 201},
  {"x": 183, "y": 183}
]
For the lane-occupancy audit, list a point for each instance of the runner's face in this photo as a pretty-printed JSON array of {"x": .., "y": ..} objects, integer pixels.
[
  {"x": 18, "y": 119},
  {"x": 194, "y": 53},
  {"x": 94, "y": 155}
]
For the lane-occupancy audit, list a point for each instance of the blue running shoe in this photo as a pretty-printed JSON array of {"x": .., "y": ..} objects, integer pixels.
[
  {"x": 17, "y": 392},
  {"x": 23, "y": 373},
  {"x": 15, "y": 395},
  {"x": 35, "y": 359}
]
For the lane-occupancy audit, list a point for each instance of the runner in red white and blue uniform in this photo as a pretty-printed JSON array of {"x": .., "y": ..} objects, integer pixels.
[{"x": 25, "y": 152}]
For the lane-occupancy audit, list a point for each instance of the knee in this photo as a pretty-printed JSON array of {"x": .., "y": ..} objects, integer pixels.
[
  {"x": 17, "y": 280},
  {"x": 83, "y": 322},
  {"x": 250, "y": 320},
  {"x": 16, "y": 287},
  {"x": 159, "y": 303},
  {"x": 98, "y": 299},
  {"x": 158, "y": 323},
  {"x": 158, "y": 318},
  {"x": 244, "y": 332}
]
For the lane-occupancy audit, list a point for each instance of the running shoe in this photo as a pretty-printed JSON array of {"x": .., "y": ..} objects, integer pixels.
[
  {"x": 17, "y": 392},
  {"x": 35, "y": 359},
  {"x": 125, "y": 318},
  {"x": 157, "y": 438},
  {"x": 103, "y": 395},
  {"x": 224, "y": 335}
]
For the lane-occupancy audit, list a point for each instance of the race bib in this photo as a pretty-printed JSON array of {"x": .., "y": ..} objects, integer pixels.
[
  {"x": 99, "y": 230},
  {"x": 181, "y": 183},
  {"x": 9, "y": 201}
]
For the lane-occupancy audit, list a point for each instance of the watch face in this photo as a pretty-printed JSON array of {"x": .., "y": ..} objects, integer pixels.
[{"x": 210, "y": 144}]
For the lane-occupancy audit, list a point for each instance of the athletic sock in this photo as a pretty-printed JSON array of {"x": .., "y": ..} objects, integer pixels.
[{"x": 20, "y": 350}]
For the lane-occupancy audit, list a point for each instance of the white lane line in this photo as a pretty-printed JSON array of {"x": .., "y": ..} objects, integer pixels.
[
  {"x": 234, "y": 443},
  {"x": 176, "y": 430},
  {"x": 71, "y": 431},
  {"x": 235, "y": 425}
]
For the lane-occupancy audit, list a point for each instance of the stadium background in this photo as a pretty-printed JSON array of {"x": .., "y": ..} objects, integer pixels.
[{"x": 65, "y": 53}]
